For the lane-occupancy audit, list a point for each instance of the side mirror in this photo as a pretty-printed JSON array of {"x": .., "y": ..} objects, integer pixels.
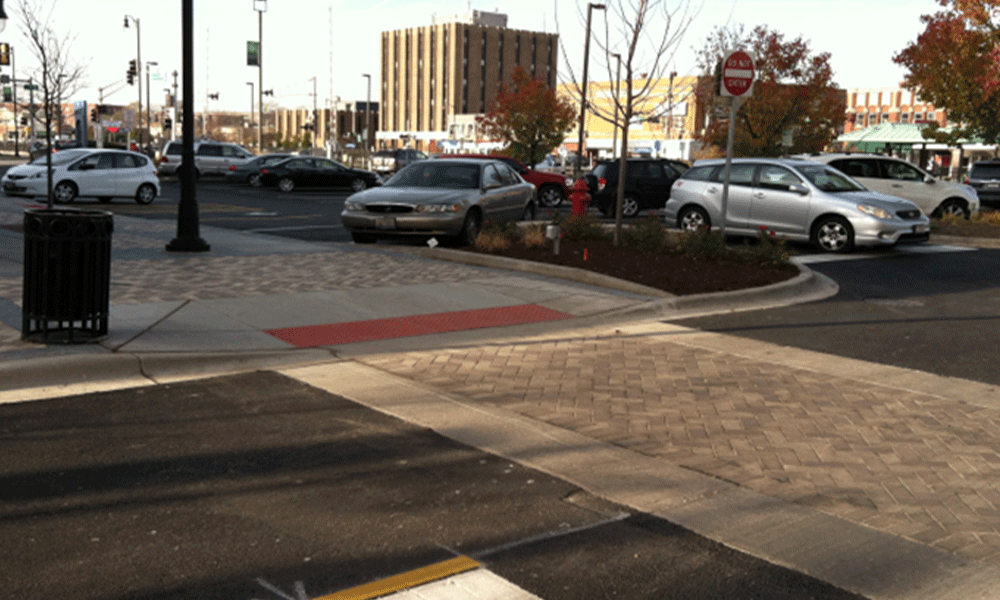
[
  {"x": 930, "y": 179},
  {"x": 799, "y": 189}
]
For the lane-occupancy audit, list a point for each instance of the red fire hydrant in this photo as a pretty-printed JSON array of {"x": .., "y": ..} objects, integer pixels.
[{"x": 579, "y": 197}]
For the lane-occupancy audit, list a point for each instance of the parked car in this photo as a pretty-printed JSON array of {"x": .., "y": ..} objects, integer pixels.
[
  {"x": 647, "y": 184},
  {"x": 440, "y": 197},
  {"x": 984, "y": 177},
  {"x": 304, "y": 171},
  {"x": 551, "y": 189},
  {"x": 390, "y": 161},
  {"x": 104, "y": 174},
  {"x": 800, "y": 200},
  {"x": 210, "y": 157},
  {"x": 897, "y": 177},
  {"x": 249, "y": 171}
]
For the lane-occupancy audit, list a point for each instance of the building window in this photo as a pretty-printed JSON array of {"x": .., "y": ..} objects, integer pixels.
[
  {"x": 872, "y": 119},
  {"x": 904, "y": 118},
  {"x": 931, "y": 116},
  {"x": 859, "y": 119},
  {"x": 917, "y": 117},
  {"x": 885, "y": 117}
]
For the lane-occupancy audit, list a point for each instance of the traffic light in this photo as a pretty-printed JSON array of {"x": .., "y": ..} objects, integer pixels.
[
  {"x": 7, "y": 94},
  {"x": 4, "y": 54},
  {"x": 168, "y": 123},
  {"x": 131, "y": 73},
  {"x": 93, "y": 114}
]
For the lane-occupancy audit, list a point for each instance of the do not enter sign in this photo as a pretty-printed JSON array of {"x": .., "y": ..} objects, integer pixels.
[{"x": 737, "y": 74}]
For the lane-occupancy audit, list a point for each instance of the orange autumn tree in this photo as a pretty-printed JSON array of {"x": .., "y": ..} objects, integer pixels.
[
  {"x": 528, "y": 118},
  {"x": 794, "y": 94},
  {"x": 954, "y": 65}
]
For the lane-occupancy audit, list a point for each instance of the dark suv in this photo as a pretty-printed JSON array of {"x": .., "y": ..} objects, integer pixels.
[
  {"x": 647, "y": 184},
  {"x": 984, "y": 176}
]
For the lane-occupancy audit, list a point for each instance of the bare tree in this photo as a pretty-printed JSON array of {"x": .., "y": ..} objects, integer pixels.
[
  {"x": 630, "y": 28},
  {"x": 60, "y": 76}
]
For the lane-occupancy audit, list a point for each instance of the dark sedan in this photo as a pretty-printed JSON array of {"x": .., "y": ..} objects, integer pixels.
[
  {"x": 249, "y": 171},
  {"x": 306, "y": 171}
]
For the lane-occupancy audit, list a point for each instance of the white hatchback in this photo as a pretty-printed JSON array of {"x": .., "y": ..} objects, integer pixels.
[
  {"x": 896, "y": 177},
  {"x": 97, "y": 173}
]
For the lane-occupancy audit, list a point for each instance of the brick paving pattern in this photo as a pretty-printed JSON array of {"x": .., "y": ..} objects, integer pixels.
[{"x": 905, "y": 463}]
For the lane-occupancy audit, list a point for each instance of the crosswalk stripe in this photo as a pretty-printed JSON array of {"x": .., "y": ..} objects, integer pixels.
[{"x": 406, "y": 580}]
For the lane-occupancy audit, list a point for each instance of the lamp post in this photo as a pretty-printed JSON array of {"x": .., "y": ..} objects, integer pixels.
[
  {"x": 315, "y": 117},
  {"x": 618, "y": 76},
  {"x": 3, "y": 17},
  {"x": 149, "y": 127},
  {"x": 261, "y": 7},
  {"x": 368, "y": 108},
  {"x": 583, "y": 93},
  {"x": 670, "y": 103},
  {"x": 138, "y": 66},
  {"x": 250, "y": 83}
]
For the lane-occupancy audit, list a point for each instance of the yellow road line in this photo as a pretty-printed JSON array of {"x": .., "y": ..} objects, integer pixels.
[{"x": 406, "y": 580}]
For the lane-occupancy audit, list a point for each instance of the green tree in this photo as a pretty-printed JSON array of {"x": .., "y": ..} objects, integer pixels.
[
  {"x": 528, "y": 118},
  {"x": 954, "y": 65},
  {"x": 794, "y": 96}
]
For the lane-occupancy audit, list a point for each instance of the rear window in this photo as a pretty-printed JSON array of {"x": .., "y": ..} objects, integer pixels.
[
  {"x": 985, "y": 171},
  {"x": 606, "y": 170}
]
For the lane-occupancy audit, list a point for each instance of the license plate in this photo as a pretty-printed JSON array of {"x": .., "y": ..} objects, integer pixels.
[
  {"x": 385, "y": 223},
  {"x": 991, "y": 186},
  {"x": 920, "y": 229}
]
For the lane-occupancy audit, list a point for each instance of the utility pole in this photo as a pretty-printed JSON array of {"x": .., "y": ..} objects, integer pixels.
[
  {"x": 138, "y": 73},
  {"x": 149, "y": 127}
]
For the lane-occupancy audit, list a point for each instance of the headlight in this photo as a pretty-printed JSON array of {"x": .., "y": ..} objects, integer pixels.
[
  {"x": 38, "y": 175},
  {"x": 349, "y": 205},
  {"x": 569, "y": 182},
  {"x": 437, "y": 208},
  {"x": 874, "y": 211}
]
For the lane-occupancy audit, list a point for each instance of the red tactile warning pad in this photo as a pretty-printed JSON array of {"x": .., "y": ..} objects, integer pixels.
[{"x": 383, "y": 329}]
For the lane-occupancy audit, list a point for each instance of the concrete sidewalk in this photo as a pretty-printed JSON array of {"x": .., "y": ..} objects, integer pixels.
[{"x": 880, "y": 480}]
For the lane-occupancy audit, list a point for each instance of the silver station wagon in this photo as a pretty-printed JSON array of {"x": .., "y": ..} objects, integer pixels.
[
  {"x": 799, "y": 200},
  {"x": 452, "y": 198}
]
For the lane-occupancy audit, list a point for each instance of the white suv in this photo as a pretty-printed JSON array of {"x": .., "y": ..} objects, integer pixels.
[
  {"x": 897, "y": 177},
  {"x": 210, "y": 158}
]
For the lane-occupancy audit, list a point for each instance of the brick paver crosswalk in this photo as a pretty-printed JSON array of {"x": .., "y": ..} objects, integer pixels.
[{"x": 908, "y": 463}]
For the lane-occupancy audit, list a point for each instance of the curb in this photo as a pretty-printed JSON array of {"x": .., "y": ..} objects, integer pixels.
[
  {"x": 956, "y": 240},
  {"x": 37, "y": 379}
]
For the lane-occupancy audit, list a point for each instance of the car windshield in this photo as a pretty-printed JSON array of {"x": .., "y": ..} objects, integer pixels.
[
  {"x": 437, "y": 175},
  {"x": 829, "y": 179},
  {"x": 985, "y": 171},
  {"x": 61, "y": 158}
]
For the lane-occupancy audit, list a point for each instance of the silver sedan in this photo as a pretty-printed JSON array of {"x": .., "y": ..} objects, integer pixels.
[
  {"x": 796, "y": 199},
  {"x": 448, "y": 197}
]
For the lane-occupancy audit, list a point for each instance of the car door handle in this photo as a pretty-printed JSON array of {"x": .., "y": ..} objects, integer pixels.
[{"x": 759, "y": 195}]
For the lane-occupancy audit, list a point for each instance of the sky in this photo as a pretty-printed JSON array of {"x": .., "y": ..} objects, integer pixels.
[{"x": 336, "y": 41}]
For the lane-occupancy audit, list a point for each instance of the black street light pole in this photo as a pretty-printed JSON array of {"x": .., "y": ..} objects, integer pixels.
[
  {"x": 138, "y": 74},
  {"x": 578, "y": 171},
  {"x": 188, "y": 237}
]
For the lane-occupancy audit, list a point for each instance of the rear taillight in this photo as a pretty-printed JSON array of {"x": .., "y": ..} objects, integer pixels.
[
  {"x": 232, "y": 167},
  {"x": 601, "y": 182},
  {"x": 263, "y": 171},
  {"x": 163, "y": 159}
]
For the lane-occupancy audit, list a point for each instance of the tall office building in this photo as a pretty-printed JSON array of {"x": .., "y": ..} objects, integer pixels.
[{"x": 435, "y": 77}]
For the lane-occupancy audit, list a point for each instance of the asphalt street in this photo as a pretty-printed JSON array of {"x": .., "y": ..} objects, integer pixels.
[
  {"x": 934, "y": 312},
  {"x": 257, "y": 486}
]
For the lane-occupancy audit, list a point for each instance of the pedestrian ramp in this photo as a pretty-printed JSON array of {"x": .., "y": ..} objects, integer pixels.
[{"x": 460, "y": 578}]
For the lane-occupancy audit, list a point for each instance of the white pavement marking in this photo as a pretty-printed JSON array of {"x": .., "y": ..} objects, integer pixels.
[
  {"x": 471, "y": 585},
  {"x": 927, "y": 249}
]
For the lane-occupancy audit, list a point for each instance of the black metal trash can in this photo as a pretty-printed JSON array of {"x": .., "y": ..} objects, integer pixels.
[{"x": 67, "y": 275}]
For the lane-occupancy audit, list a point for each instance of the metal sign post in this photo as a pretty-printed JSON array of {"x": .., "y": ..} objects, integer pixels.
[{"x": 737, "y": 83}]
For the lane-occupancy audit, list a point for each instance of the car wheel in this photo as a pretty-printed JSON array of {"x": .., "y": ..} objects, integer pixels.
[
  {"x": 952, "y": 207},
  {"x": 550, "y": 196},
  {"x": 363, "y": 238},
  {"x": 358, "y": 185},
  {"x": 64, "y": 192},
  {"x": 630, "y": 207},
  {"x": 470, "y": 229},
  {"x": 693, "y": 218},
  {"x": 529, "y": 212},
  {"x": 286, "y": 184},
  {"x": 254, "y": 180},
  {"x": 104, "y": 199},
  {"x": 145, "y": 193},
  {"x": 833, "y": 234}
]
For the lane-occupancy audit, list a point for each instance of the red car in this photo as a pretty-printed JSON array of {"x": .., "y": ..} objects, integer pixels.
[{"x": 551, "y": 188}]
